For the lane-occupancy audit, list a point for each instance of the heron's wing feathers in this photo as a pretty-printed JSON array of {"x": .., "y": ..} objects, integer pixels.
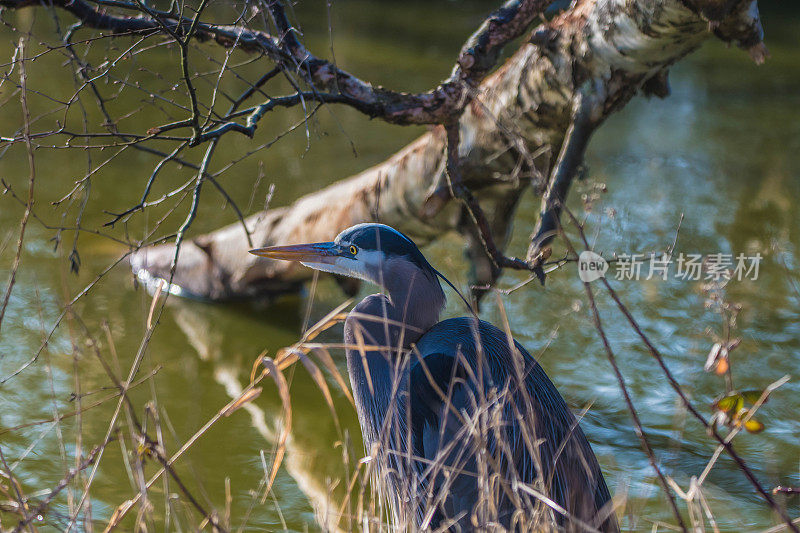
[
  {"x": 440, "y": 402},
  {"x": 542, "y": 441},
  {"x": 434, "y": 379}
]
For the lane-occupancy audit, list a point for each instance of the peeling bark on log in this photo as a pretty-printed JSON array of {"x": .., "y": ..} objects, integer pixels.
[{"x": 510, "y": 136}]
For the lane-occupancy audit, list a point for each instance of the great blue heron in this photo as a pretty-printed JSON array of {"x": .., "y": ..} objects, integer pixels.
[{"x": 466, "y": 428}]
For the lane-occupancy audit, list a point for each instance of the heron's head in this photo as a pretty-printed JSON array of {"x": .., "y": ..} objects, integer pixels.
[{"x": 372, "y": 252}]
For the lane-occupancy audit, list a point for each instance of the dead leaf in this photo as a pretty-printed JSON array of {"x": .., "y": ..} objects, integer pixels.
[{"x": 247, "y": 396}]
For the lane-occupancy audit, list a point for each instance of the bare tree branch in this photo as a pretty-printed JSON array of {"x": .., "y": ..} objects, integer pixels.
[{"x": 436, "y": 106}]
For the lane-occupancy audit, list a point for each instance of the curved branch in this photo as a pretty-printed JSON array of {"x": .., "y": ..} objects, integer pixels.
[{"x": 435, "y": 106}]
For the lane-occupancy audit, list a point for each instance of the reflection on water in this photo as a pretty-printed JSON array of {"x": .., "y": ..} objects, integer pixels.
[
  {"x": 311, "y": 461},
  {"x": 724, "y": 150}
]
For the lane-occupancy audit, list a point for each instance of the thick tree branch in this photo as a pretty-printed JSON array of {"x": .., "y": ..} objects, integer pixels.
[
  {"x": 435, "y": 106},
  {"x": 517, "y": 113},
  {"x": 516, "y": 118},
  {"x": 583, "y": 123},
  {"x": 459, "y": 190}
]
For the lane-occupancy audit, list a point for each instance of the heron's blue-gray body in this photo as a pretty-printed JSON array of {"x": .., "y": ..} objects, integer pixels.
[{"x": 417, "y": 400}]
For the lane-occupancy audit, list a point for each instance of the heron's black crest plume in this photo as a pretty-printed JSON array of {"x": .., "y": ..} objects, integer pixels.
[
  {"x": 386, "y": 239},
  {"x": 463, "y": 299}
]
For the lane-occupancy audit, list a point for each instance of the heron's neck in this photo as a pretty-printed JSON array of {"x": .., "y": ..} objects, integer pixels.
[
  {"x": 416, "y": 299},
  {"x": 411, "y": 303},
  {"x": 388, "y": 324}
]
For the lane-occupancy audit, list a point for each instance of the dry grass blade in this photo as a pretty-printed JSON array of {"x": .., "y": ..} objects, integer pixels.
[
  {"x": 286, "y": 357},
  {"x": 256, "y": 365},
  {"x": 247, "y": 396},
  {"x": 327, "y": 321},
  {"x": 124, "y": 508},
  {"x": 553, "y": 505},
  {"x": 154, "y": 302},
  {"x": 319, "y": 380},
  {"x": 362, "y": 349},
  {"x": 385, "y": 321},
  {"x": 349, "y": 491},
  {"x": 289, "y": 355},
  {"x": 324, "y": 355},
  {"x": 118, "y": 514},
  {"x": 283, "y": 390}
]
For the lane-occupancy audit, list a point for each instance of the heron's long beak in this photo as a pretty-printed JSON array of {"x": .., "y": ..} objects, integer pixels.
[{"x": 320, "y": 252}]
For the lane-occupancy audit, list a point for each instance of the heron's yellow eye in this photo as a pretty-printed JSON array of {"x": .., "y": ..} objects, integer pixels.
[{"x": 353, "y": 250}]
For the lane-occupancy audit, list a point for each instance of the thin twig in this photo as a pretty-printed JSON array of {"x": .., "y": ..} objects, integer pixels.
[
  {"x": 685, "y": 401},
  {"x": 65, "y": 481},
  {"x": 23, "y": 77},
  {"x": 637, "y": 423}
]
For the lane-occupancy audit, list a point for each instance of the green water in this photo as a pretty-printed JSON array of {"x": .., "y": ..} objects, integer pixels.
[{"x": 724, "y": 150}]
